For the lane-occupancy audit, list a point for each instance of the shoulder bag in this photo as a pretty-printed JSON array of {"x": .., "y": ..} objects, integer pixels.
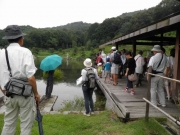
[
  {"x": 16, "y": 86},
  {"x": 132, "y": 77}
]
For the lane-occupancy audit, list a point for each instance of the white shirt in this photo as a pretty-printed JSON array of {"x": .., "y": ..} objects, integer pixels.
[
  {"x": 154, "y": 61},
  {"x": 139, "y": 63},
  {"x": 21, "y": 62},
  {"x": 84, "y": 72},
  {"x": 123, "y": 58},
  {"x": 171, "y": 64}
]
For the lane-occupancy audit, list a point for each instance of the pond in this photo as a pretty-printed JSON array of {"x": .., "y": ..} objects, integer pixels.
[{"x": 66, "y": 89}]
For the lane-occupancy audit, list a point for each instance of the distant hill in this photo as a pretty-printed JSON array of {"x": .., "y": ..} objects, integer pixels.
[{"x": 75, "y": 26}]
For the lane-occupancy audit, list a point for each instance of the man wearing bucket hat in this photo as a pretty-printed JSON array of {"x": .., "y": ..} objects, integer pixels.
[
  {"x": 88, "y": 92},
  {"x": 158, "y": 63},
  {"x": 22, "y": 66}
]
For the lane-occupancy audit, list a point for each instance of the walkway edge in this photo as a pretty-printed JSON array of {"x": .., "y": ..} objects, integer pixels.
[{"x": 114, "y": 105}]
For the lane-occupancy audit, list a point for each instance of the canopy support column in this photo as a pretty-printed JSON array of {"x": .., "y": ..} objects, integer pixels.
[
  {"x": 176, "y": 73},
  {"x": 134, "y": 48}
]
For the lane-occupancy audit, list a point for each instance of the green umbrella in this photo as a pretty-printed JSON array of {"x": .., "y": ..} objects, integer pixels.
[{"x": 51, "y": 62}]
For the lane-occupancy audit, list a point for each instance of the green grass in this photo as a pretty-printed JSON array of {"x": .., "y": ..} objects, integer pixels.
[{"x": 105, "y": 123}]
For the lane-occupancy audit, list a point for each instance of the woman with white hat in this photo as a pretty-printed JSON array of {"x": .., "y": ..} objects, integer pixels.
[{"x": 87, "y": 91}]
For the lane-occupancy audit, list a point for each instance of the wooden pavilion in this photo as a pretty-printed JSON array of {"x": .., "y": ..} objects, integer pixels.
[{"x": 154, "y": 34}]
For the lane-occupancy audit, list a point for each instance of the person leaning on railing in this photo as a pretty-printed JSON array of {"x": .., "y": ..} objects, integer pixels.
[{"x": 158, "y": 63}]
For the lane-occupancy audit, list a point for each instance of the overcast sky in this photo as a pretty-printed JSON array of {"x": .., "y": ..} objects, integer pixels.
[{"x": 50, "y": 13}]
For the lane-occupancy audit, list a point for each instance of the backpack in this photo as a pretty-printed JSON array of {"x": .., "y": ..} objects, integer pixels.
[
  {"x": 117, "y": 59},
  {"x": 91, "y": 83}
]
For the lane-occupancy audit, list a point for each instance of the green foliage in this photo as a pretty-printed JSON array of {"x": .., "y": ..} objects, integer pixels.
[
  {"x": 51, "y": 50},
  {"x": 77, "y": 104},
  {"x": 92, "y": 35},
  {"x": 35, "y": 50},
  {"x": 105, "y": 123}
]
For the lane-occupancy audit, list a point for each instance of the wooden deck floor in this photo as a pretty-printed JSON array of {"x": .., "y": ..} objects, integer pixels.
[{"x": 132, "y": 106}]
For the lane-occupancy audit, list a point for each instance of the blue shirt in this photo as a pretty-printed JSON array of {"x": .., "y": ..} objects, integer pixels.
[{"x": 107, "y": 66}]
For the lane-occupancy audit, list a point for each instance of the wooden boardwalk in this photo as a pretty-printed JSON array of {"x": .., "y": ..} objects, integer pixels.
[{"x": 132, "y": 106}]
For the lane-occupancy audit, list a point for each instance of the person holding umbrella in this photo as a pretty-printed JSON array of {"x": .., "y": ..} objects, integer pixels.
[
  {"x": 48, "y": 65},
  {"x": 23, "y": 66},
  {"x": 50, "y": 81}
]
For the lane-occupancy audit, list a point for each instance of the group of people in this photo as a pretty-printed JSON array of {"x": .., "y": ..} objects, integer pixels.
[
  {"x": 130, "y": 64},
  {"x": 116, "y": 64}
]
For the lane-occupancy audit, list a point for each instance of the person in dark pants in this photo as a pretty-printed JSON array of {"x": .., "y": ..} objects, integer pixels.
[
  {"x": 139, "y": 68},
  {"x": 131, "y": 65},
  {"x": 87, "y": 92},
  {"x": 50, "y": 81}
]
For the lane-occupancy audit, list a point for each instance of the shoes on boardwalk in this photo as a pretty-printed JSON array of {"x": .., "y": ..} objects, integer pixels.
[
  {"x": 115, "y": 84},
  {"x": 125, "y": 89},
  {"x": 92, "y": 113},
  {"x": 159, "y": 104},
  {"x": 132, "y": 93},
  {"x": 86, "y": 114}
]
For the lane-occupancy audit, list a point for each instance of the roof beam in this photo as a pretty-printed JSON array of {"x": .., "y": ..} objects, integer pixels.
[
  {"x": 156, "y": 38},
  {"x": 151, "y": 43}
]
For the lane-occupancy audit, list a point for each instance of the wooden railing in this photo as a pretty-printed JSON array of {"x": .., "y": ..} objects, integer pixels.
[{"x": 148, "y": 98}]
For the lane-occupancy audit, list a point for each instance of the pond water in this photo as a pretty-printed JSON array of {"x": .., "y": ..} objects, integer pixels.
[{"x": 65, "y": 89}]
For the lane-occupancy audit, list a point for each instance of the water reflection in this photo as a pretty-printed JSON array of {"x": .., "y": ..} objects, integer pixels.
[{"x": 65, "y": 89}]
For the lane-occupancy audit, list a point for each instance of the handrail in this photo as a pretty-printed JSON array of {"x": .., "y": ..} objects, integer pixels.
[
  {"x": 178, "y": 81},
  {"x": 148, "y": 98},
  {"x": 172, "y": 118}
]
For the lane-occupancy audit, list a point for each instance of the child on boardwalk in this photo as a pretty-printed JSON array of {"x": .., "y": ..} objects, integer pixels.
[
  {"x": 107, "y": 70},
  {"x": 99, "y": 69}
]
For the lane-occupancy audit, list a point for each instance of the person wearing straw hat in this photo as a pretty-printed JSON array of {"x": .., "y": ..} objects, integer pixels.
[
  {"x": 158, "y": 63},
  {"x": 22, "y": 66},
  {"x": 88, "y": 92}
]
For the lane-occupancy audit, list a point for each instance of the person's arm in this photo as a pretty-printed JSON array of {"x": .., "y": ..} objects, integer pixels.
[
  {"x": 127, "y": 70},
  {"x": 2, "y": 90},
  {"x": 32, "y": 81},
  {"x": 167, "y": 69}
]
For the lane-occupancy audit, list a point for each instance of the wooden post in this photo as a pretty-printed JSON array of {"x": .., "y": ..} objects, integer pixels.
[
  {"x": 134, "y": 48},
  {"x": 161, "y": 40},
  {"x": 148, "y": 94},
  {"x": 116, "y": 45},
  {"x": 176, "y": 73}
]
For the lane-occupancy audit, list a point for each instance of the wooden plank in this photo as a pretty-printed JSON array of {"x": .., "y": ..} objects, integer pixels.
[
  {"x": 46, "y": 105},
  {"x": 120, "y": 109},
  {"x": 136, "y": 33},
  {"x": 110, "y": 103},
  {"x": 175, "y": 19},
  {"x": 134, "y": 106},
  {"x": 152, "y": 27},
  {"x": 144, "y": 30},
  {"x": 131, "y": 34},
  {"x": 163, "y": 24},
  {"x": 127, "y": 36}
]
